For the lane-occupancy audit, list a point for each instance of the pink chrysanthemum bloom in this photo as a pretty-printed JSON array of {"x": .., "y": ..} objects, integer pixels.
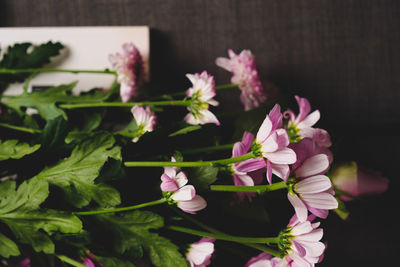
[
  {"x": 301, "y": 126},
  {"x": 245, "y": 75},
  {"x": 199, "y": 253},
  {"x": 356, "y": 181},
  {"x": 271, "y": 142},
  {"x": 130, "y": 69},
  {"x": 300, "y": 243},
  {"x": 145, "y": 120},
  {"x": 201, "y": 94},
  {"x": 248, "y": 172},
  {"x": 311, "y": 190},
  {"x": 178, "y": 192}
]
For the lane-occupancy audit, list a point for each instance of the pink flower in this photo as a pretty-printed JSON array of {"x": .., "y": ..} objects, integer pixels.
[
  {"x": 245, "y": 75},
  {"x": 178, "y": 192},
  {"x": 88, "y": 262},
  {"x": 199, "y": 253},
  {"x": 145, "y": 120},
  {"x": 130, "y": 70},
  {"x": 271, "y": 142},
  {"x": 300, "y": 126},
  {"x": 356, "y": 181},
  {"x": 171, "y": 181},
  {"x": 201, "y": 94},
  {"x": 300, "y": 242},
  {"x": 311, "y": 190},
  {"x": 246, "y": 172}
]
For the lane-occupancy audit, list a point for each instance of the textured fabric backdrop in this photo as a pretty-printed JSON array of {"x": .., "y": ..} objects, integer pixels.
[{"x": 343, "y": 55}]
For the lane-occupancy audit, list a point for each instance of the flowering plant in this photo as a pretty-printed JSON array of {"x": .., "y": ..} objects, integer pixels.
[{"x": 92, "y": 191}]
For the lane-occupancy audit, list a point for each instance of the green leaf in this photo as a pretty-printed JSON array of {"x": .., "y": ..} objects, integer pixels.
[
  {"x": 87, "y": 122},
  {"x": 131, "y": 230},
  {"x": 19, "y": 57},
  {"x": 15, "y": 150},
  {"x": 8, "y": 247},
  {"x": 20, "y": 210},
  {"x": 54, "y": 133},
  {"x": 76, "y": 174},
  {"x": 45, "y": 101},
  {"x": 201, "y": 178},
  {"x": 114, "y": 262},
  {"x": 186, "y": 130}
]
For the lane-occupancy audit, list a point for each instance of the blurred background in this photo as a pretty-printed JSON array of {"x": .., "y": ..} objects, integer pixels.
[{"x": 342, "y": 55}]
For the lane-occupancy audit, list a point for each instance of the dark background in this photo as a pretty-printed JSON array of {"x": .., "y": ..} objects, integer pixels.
[{"x": 342, "y": 55}]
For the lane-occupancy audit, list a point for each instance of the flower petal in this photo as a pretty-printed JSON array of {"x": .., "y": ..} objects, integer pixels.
[
  {"x": 250, "y": 165},
  {"x": 193, "y": 205},
  {"x": 310, "y": 120},
  {"x": 313, "y": 165},
  {"x": 181, "y": 179},
  {"x": 299, "y": 207},
  {"x": 264, "y": 131},
  {"x": 320, "y": 201},
  {"x": 314, "y": 184},
  {"x": 184, "y": 193},
  {"x": 283, "y": 156},
  {"x": 281, "y": 170}
]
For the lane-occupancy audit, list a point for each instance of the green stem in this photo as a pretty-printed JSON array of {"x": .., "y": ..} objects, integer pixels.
[
  {"x": 257, "y": 188},
  {"x": 19, "y": 128},
  {"x": 226, "y": 86},
  {"x": 70, "y": 261},
  {"x": 37, "y": 70},
  {"x": 143, "y": 205},
  {"x": 128, "y": 104},
  {"x": 189, "y": 163},
  {"x": 220, "y": 236},
  {"x": 206, "y": 149},
  {"x": 217, "y": 88},
  {"x": 212, "y": 230}
]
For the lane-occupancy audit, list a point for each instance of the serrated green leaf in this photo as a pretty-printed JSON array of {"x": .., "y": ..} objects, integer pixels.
[
  {"x": 114, "y": 262},
  {"x": 186, "y": 130},
  {"x": 20, "y": 210},
  {"x": 76, "y": 174},
  {"x": 53, "y": 134},
  {"x": 45, "y": 101},
  {"x": 8, "y": 247},
  {"x": 19, "y": 57},
  {"x": 201, "y": 178},
  {"x": 15, "y": 149},
  {"x": 131, "y": 230}
]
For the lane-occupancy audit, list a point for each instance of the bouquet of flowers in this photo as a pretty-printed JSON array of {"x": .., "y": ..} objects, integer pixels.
[{"x": 122, "y": 177}]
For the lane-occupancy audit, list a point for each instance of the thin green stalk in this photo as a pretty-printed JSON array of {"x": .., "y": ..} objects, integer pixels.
[
  {"x": 189, "y": 163},
  {"x": 128, "y": 104},
  {"x": 19, "y": 128},
  {"x": 239, "y": 239},
  {"x": 143, "y": 205},
  {"x": 212, "y": 230},
  {"x": 257, "y": 188},
  {"x": 70, "y": 261},
  {"x": 217, "y": 88},
  {"x": 206, "y": 149},
  {"x": 37, "y": 70}
]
